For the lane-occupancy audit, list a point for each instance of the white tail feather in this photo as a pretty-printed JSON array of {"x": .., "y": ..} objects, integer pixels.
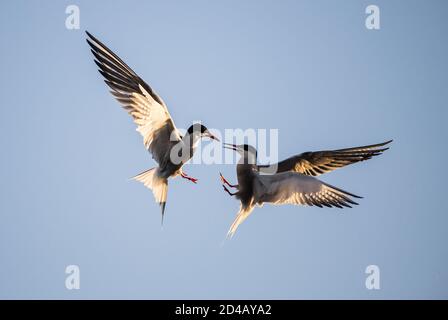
[
  {"x": 242, "y": 215},
  {"x": 159, "y": 185}
]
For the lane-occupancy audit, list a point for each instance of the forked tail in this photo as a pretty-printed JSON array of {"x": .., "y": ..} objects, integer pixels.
[
  {"x": 241, "y": 216},
  {"x": 159, "y": 186}
]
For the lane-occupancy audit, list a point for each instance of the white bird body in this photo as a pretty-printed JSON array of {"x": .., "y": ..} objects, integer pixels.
[
  {"x": 150, "y": 113},
  {"x": 293, "y": 183}
]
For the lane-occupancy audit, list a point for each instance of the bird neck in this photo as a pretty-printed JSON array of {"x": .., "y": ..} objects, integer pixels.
[
  {"x": 192, "y": 139},
  {"x": 246, "y": 174},
  {"x": 248, "y": 158}
]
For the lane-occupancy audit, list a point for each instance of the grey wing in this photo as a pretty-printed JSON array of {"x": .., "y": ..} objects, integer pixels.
[
  {"x": 148, "y": 110},
  {"x": 317, "y": 163},
  {"x": 296, "y": 188}
]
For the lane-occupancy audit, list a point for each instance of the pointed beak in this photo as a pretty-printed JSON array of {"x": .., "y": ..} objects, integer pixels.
[
  {"x": 214, "y": 138},
  {"x": 230, "y": 146},
  {"x": 209, "y": 135}
]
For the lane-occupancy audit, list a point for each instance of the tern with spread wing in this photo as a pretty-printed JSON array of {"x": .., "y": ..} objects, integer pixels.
[
  {"x": 292, "y": 181},
  {"x": 160, "y": 136}
]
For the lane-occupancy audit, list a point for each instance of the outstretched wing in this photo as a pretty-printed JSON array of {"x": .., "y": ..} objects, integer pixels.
[
  {"x": 317, "y": 163},
  {"x": 292, "y": 188},
  {"x": 148, "y": 110},
  {"x": 296, "y": 188}
]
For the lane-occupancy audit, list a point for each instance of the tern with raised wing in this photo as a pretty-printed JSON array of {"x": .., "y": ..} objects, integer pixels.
[
  {"x": 160, "y": 136},
  {"x": 292, "y": 181}
]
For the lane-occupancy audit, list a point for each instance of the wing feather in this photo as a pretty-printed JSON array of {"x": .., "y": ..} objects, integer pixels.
[
  {"x": 292, "y": 188},
  {"x": 300, "y": 189},
  {"x": 320, "y": 162},
  {"x": 147, "y": 109}
]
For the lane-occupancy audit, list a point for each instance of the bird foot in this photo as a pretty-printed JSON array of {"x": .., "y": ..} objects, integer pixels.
[
  {"x": 227, "y": 190},
  {"x": 194, "y": 180},
  {"x": 185, "y": 176},
  {"x": 224, "y": 181}
]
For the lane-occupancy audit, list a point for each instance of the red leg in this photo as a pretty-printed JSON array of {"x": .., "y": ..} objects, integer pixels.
[
  {"x": 185, "y": 176},
  {"x": 224, "y": 181},
  {"x": 227, "y": 190}
]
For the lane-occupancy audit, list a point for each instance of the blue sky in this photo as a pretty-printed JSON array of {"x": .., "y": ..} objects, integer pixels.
[{"x": 307, "y": 68}]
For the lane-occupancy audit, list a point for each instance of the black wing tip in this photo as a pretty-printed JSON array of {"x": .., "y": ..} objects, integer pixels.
[
  {"x": 90, "y": 43},
  {"x": 93, "y": 47},
  {"x": 342, "y": 191},
  {"x": 346, "y": 203},
  {"x": 95, "y": 43},
  {"x": 90, "y": 38},
  {"x": 90, "y": 35},
  {"x": 376, "y": 147},
  {"x": 383, "y": 143},
  {"x": 372, "y": 147}
]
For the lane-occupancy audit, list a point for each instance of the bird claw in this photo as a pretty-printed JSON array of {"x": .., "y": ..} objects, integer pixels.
[
  {"x": 194, "y": 180},
  {"x": 228, "y": 191},
  {"x": 224, "y": 181},
  {"x": 185, "y": 176}
]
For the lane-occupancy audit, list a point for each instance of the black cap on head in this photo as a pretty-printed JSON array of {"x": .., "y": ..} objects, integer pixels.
[{"x": 197, "y": 127}]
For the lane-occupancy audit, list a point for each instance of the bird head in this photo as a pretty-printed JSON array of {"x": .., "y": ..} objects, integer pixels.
[
  {"x": 247, "y": 152},
  {"x": 200, "y": 131}
]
